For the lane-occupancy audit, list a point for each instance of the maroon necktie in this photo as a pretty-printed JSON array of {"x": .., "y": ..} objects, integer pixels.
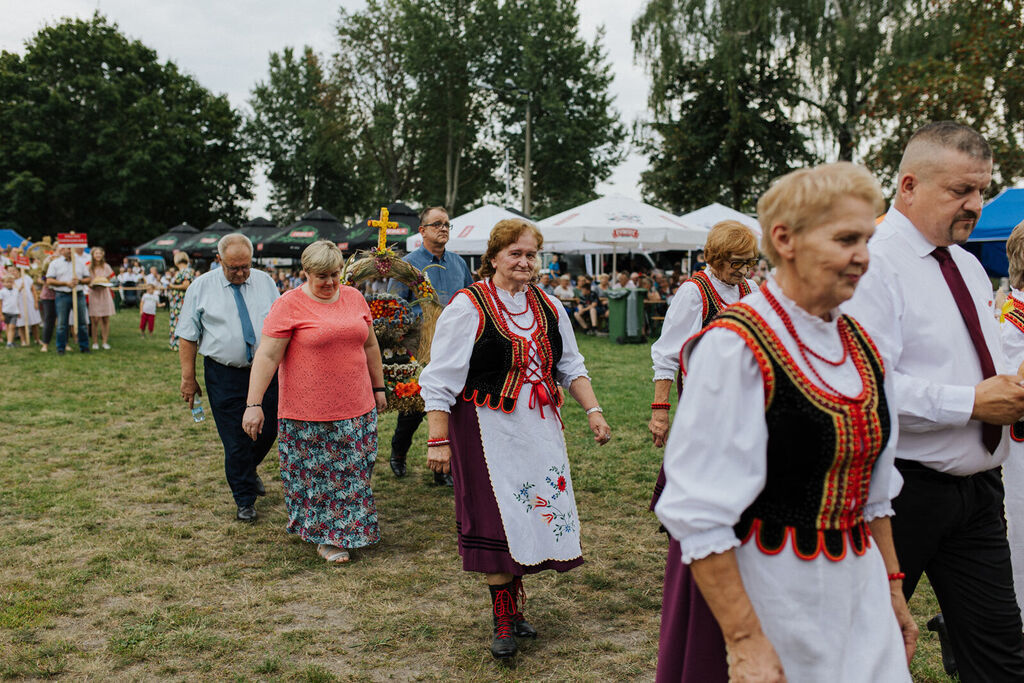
[{"x": 990, "y": 434}]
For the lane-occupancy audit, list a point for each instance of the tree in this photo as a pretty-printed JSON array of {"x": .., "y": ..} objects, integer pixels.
[
  {"x": 302, "y": 128},
  {"x": 720, "y": 97},
  {"x": 962, "y": 61},
  {"x": 101, "y": 137},
  {"x": 577, "y": 136},
  {"x": 445, "y": 44},
  {"x": 370, "y": 68}
]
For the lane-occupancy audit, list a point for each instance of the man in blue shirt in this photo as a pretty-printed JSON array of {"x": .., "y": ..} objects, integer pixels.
[
  {"x": 449, "y": 276},
  {"x": 221, "y": 318}
]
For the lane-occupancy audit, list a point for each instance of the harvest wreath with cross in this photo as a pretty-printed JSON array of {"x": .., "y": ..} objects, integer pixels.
[{"x": 393, "y": 319}]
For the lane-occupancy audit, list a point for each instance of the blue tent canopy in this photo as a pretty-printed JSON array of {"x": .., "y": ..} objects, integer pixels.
[
  {"x": 9, "y": 238},
  {"x": 998, "y": 219}
]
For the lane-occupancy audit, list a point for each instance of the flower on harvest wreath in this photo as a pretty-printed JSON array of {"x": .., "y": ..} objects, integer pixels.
[{"x": 404, "y": 389}]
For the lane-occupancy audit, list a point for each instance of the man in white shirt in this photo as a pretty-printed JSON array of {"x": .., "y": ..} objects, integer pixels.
[
  {"x": 63, "y": 276},
  {"x": 222, "y": 318},
  {"x": 927, "y": 304}
]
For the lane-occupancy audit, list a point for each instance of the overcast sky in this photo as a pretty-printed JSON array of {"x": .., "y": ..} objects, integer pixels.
[{"x": 225, "y": 45}]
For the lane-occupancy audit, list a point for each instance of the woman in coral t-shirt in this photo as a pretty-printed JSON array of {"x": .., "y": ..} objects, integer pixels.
[{"x": 320, "y": 339}]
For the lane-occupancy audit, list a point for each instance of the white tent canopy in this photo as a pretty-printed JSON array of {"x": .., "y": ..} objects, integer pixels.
[
  {"x": 707, "y": 216},
  {"x": 623, "y": 224},
  {"x": 469, "y": 231}
]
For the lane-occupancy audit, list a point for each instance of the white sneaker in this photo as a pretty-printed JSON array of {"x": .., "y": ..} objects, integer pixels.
[
  {"x": 95, "y": 347},
  {"x": 106, "y": 346}
]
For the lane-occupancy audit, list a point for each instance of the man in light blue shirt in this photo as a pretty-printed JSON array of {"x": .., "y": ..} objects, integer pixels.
[
  {"x": 222, "y": 318},
  {"x": 448, "y": 276}
]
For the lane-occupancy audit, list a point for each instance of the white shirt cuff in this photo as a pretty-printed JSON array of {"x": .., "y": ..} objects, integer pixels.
[
  {"x": 436, "y": 405},
  {"x": 569, "y": 379},
  {"x": 956, "y": 405},
  {"x": 664, "y": 374},
  {"x": 700, "y": 545},
  {"x": 873, "y": 511}
]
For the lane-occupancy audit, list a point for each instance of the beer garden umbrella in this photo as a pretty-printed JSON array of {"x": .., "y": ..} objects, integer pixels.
[
  {"x": 166, "y": 244},
  {"x": 289, "y": 242},
  {"x": 203, "y": 245}
]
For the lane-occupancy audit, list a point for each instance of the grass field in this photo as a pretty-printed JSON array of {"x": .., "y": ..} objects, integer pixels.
[{"x": 121, "y": 559}]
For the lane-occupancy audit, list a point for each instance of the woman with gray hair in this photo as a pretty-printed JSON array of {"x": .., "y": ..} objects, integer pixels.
[
  {"x": 779, "y": 463},
  {"x": 319, "y": 338}
]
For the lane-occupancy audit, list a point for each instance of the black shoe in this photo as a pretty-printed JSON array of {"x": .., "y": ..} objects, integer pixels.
[
  {"x": 503, "y": 642},
  {"x": 398, "y": 466},
  {"x": 261, "y": 490},
  {"x": 246, "y": 513},
  {"x": 523, "y": 628},
  {"x": 938, "y": 625},
  {"x": 442, "y": 479}
]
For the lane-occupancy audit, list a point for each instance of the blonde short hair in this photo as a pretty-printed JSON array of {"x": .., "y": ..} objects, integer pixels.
[
  {"x": 181, "y": 257},
  {"x": 727, "y": 238},
  {"x": 805, "y": 198},
  {"x": 504, "y": 233},
  {"x": 323, "y": 256},
  {"x": 1015, "y": 256}
]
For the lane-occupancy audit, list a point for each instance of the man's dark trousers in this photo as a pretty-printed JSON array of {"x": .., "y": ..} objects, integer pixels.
[
  {"x": 227, "y": 389},
  {"x": 951, "y": 528},
  {"x": 405, "y": 428}
]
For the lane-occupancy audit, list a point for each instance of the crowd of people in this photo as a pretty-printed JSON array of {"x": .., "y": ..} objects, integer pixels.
[{"x": 847, "y": 422}]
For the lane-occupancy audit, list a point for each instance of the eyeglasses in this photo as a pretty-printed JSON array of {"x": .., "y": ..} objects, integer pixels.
[
  {"x": 446, "y": 225},
  {"x": 237, "y": 269},
  {"x": 741, "y": 263}
]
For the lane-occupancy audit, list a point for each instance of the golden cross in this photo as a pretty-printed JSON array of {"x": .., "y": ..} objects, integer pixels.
[{"x": 382, "y": 224}]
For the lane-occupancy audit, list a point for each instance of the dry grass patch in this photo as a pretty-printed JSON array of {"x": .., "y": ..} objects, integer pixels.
[{"x": 122, "y": 559}]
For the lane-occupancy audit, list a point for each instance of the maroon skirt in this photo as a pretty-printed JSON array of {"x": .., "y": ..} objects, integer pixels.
[
  {"x": 690, "y": 647},
  {"x": 482, "y": 542}
]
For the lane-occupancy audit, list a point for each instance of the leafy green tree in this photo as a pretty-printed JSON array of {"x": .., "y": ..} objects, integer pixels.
[
  {"x": 577, "y": 138},
  {"x": 302, "y": 129},
  {"x": 99, "y": 136},
  {"x": 445, "y": 45},
  {"x": 959, "y": 60},
  {"x": 721, "y": 95},
  {"x": 370, "y": 68}
]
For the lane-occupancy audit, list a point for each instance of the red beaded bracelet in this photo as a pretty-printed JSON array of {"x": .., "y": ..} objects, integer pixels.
[
  {"x": 898, "y": 576},
  {"x": 660, "y": 406},
  {"x": 437, "y": 442}
]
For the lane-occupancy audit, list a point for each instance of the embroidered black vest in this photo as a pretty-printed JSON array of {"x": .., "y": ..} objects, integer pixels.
[
  {"x": 497, "y": 366},
  {"x": 711, "y": 302},
  {"x": 821, "y": 450}
]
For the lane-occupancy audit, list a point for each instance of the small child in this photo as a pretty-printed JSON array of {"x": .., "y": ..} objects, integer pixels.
[
  {"x": 148, "y": 305},
  {"x": 10, "y": 308}
]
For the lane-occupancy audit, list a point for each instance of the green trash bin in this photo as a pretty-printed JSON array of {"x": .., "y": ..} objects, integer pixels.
[{"x": 626, "y": 315}]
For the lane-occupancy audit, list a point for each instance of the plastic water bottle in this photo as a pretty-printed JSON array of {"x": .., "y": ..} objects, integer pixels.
[{"x": 197, "y": 410}]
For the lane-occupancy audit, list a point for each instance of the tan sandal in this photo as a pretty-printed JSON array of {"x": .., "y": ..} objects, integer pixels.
[{"x": 333, "y": 554}]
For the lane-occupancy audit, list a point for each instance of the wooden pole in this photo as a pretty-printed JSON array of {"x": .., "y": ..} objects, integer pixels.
[{"x": 74, "y": 292}]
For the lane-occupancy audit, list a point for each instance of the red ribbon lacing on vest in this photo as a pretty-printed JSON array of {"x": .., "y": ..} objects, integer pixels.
[{"x": 539, "y": 395}]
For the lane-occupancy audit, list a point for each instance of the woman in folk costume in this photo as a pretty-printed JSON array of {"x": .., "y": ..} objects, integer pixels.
[
  {"x": 490, "y": 391},
  {"x": 730, "y": 251},
  {"x": 779, "y": 463},
  {"x": 1012, "y": 331}
]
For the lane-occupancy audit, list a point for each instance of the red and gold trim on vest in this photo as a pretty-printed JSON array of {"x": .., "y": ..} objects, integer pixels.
[
  {"x": 523, "y": 349},
  {"x": 1015, "y": 316},
  {"x": 858, "y": 435},
  {"x": 711, "y": 301}
]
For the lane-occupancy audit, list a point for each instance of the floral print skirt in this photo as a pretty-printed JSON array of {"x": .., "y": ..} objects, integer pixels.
[{"x": 326, "y": 469}]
